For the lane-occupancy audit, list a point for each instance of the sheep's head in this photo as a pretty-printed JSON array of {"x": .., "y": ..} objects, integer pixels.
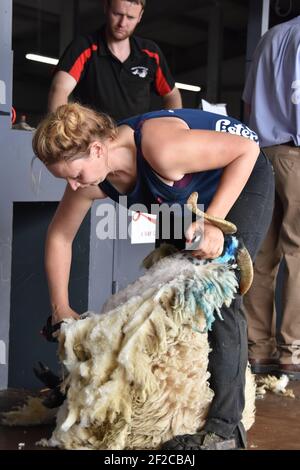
[{"x": 243, "y": 258}]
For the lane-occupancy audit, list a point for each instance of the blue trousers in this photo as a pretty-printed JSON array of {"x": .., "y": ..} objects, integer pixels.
[{"x": 252, "y": 214}]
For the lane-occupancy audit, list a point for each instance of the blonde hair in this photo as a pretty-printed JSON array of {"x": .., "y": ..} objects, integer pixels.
[{"x": 69, "y": 131}]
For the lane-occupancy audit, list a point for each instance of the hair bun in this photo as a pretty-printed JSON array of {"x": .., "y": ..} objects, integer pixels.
[{"x": 69, "y": 131}]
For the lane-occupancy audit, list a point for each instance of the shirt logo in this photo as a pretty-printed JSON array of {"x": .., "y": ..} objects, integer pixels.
[
  {"x": 224, "y": 125},
  {"x": 140, "y": 71}
]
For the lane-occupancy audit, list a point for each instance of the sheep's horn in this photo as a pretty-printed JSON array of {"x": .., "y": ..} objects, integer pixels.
[
  {"x": 244, "y": 261},
  {"x": 227, "y": 228},
  {"x": 245, "y": 265}
]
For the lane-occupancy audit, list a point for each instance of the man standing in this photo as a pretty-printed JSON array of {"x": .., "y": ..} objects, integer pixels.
[
  {"x": 112, "y": 70},
  {"x": 272, "y": 97}
]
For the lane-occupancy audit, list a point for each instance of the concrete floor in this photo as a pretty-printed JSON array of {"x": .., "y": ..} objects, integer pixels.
[
  {"x": 276, "y": 427},
  {"x": 277, "y": 424}
]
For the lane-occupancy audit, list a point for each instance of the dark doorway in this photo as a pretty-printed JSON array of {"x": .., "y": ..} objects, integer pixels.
[{"x": 30, "y": 304}]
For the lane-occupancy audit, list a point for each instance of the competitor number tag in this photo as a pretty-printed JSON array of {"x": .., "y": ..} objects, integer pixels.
[{"x": 143, "y": 227}]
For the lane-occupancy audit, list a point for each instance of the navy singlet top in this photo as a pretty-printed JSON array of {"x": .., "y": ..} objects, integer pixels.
[{"x": 149, "y": 189}]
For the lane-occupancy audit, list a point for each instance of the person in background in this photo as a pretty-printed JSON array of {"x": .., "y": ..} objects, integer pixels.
[
  {"x": 162, "y": 157},
  {"x": 113, "y": 71},
  {"x": 272, "y": 98}
]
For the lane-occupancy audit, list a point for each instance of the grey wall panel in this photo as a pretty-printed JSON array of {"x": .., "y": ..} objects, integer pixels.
[
  {"x": 6, "y": 57},
  {"x": 94, "y": 257},
  {"x": 6, "y": 23},
  {"x": 114, "y": 263},
  {"x": 101, "y": 266},
  {"x": 128, "y": 262},
  {"x": 16, "y": 185},
  {"x": 6, "y": 60}
]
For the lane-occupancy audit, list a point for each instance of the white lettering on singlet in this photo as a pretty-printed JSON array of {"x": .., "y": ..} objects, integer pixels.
[{"x": 225, "y": 125}]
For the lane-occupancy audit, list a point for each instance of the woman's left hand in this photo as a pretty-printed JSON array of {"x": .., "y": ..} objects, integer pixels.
[{"x": 212, "y": 243}]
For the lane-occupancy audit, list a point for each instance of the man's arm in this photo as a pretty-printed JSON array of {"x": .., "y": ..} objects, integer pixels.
[
  {"x": 61, "y": 87},
  {"x": 172, "y": 100}
]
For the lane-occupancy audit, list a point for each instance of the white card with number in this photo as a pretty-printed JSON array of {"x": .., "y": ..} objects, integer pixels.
[{"x": 143, "y": 227}]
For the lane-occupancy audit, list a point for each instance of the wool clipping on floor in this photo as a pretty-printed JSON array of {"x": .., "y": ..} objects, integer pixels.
[
  {"x": 273, "y": 384},
  {"x": 137, "y": 373}
]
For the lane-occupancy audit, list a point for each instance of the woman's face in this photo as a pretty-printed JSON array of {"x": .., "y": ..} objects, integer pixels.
[{"x": 82, "y": 172}]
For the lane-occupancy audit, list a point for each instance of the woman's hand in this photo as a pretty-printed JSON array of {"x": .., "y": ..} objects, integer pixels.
[
  {"x": 211, "y": 244},
  {"x": 61, "y": 314},
  {"x": 52, "y": 328}
]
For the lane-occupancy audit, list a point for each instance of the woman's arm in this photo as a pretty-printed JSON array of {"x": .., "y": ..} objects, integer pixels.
[
  {"x": 174, "y": 150},
  {"x": 234, "y": 177},
  {"x": 58, "y": 251}
]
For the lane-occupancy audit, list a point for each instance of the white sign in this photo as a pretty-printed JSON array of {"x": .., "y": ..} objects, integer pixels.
[
  {"x": 2, "y": 92},
  {"x": 142, "y": 227},
  {"x": 218, "y": 108},
  {"x": 2, "y": 353}
]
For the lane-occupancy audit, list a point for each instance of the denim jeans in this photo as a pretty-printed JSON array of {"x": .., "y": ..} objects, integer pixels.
[{"x": 252, "y": 213}]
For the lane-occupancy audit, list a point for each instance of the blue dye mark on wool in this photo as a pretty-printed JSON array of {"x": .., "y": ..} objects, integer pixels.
[
  {"x": 205, "y": 296},
  {"x": 206, "y": 304}
]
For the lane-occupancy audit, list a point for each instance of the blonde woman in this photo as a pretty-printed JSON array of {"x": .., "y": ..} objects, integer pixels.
[{"x": 161, "y": 157}]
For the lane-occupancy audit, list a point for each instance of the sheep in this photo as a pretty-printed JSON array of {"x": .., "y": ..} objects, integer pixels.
[{"x": 137, "y": 373}]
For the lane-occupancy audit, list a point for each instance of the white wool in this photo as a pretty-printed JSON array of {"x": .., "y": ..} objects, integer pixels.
[
  {"x": 250, "y": 395},
  {"x": 275, "y": 385},
  {"x": 138, "y": 373},
  {"x": 282, "y": 383}
]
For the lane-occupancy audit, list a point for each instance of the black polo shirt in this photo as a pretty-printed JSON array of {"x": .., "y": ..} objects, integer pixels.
[{"x": 121, "y": 89}]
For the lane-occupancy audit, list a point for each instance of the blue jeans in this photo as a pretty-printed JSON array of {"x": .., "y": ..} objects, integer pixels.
[{"x": 252, "y": 213}]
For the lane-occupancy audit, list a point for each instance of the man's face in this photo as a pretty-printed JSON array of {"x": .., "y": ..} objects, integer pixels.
[{"x": 122, "y": 18}]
